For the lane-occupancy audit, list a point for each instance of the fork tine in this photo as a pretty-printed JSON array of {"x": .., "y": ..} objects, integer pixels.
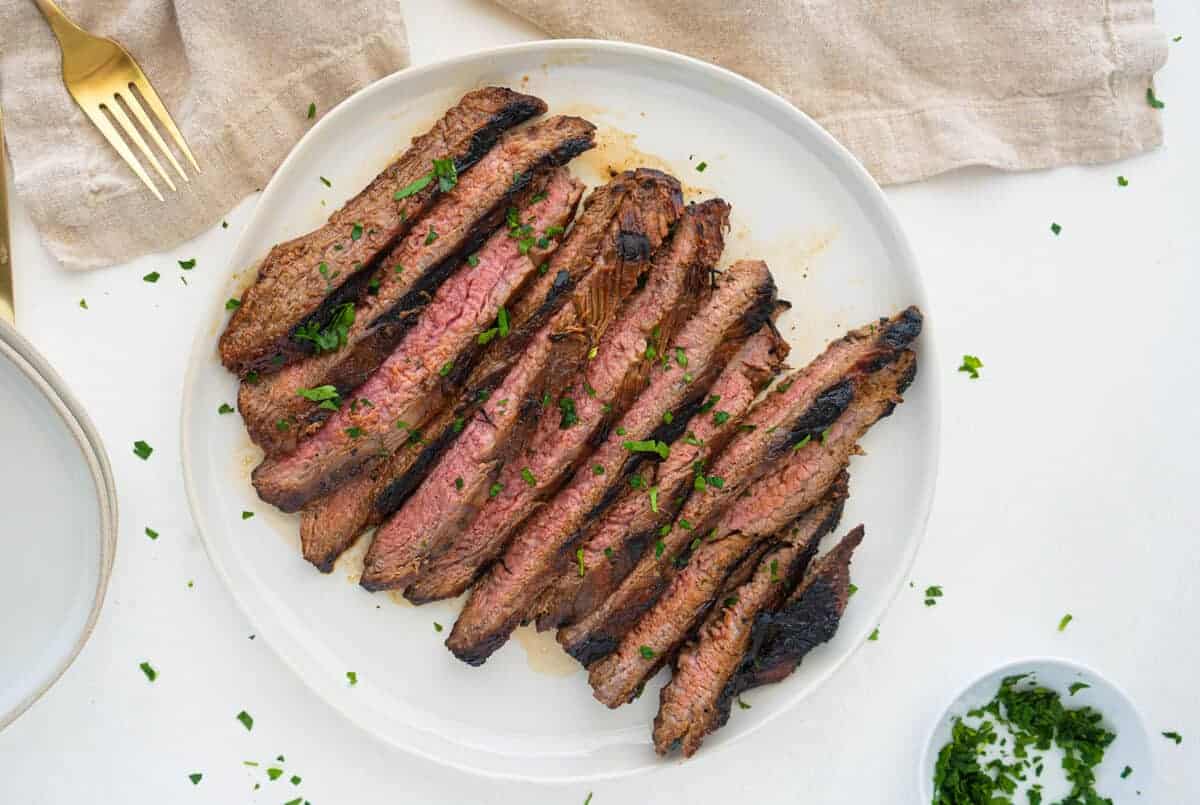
[
  {"x": 164, "y": 117},
  {"x": 132, "y": 102},
  {"x": 101, "y": 122},
  {"x": 132, "y": 133}
]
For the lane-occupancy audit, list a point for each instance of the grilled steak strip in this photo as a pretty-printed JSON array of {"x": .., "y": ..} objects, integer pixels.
[
  {"x": 582, "y": 404},
  {"x": 784, "y": 417},
  {"x": 289, "y": 290},
  {"x": 742, "y": 303},
  {"x": 617, "y": 539},
  {"x": 594, "y": 268},
  {"x": 809, "y": 617},
  {"x": 456, "y": 226},
  {"x": 798, "y": 482},
  {"x": 330, "y": 523},
  {"x": 689, "y": 703}
]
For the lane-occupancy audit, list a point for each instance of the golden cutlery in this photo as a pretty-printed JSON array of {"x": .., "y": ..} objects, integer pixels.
[
  {"x": 102, "y": 78},
  {"x": 8, "y": 303}
]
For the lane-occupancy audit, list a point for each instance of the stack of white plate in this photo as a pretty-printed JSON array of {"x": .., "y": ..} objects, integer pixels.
[{"x": 58, "y": 526}]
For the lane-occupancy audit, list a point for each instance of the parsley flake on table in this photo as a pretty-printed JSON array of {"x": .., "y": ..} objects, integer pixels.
[
  {"x": 1125, "y": 772},
  {"x": 874, "y": 634},
  {"x": 646, "y": 652},
  {"x": 971, "y": 365},
  {"x": 187, "y": 265},
  {"x": 294, "y": 779},
  {"x": 225, "y": 408},
  {"x": 1062, "y": 623},
  {"x": 1173, "y": 736},
  {"x": 195, "y": 777},
  {"x": 700, "y": 168},
  {"x": 274, "y": 773},
  {"x": 932, "y": 593},
  {"x": 246, "y": 719},
  {"x": 437, "y": 627},
  {"x": 1055, "y": 228},
  {"x": 1076, "y": 687},
  {"x": 1153, "y": 100},
  {"x": 149, "y": 671},
  {"x": 142, "y": 450},
  {"x": 352, "y": 677},
  {"x": 1122, "y": 181},
  {"x": 312, "y": 111},
  {"x": 151, "y": 277},
  {"x": 325, "y": 181},
  {"x": 83, "y": 304},
  {"x": 151, "y": 533},
  {"x": 247, "y": 515}
]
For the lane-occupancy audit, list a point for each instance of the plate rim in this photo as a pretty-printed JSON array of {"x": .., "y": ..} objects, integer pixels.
[
  {"x": 37, "y": 369},
  {"x": 204, "y": 343}
]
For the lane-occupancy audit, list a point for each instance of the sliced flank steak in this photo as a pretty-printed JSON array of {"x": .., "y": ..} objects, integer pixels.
[
  {"x": 363, "y": 332},
  {"x": 431, "y": 360},
  {"x": 331, "y": 523},
  {"x": 796, "y": 482},
  {"x": 791, "y": 412},
  {"x": 616, "y": 539},
  {"x": 290, "y": 290},
  {"x": 578, "y": 308},
  {"x": 741, "y": 304},
  {"x": 581, "y": 405},
  {"x": 689, "y": 703}
]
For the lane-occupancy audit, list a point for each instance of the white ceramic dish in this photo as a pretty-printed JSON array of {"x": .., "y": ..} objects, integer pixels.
[
  {"x": 59, "y": 510},
  {"x": 799, "y": 200},
  {"x": 1131, "y": 747}
]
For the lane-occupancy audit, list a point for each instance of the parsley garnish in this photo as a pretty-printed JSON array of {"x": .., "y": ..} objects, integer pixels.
[
  {"x": 446, "y": 173},
  {"x": 579, "y": 559},
  {"x": 327, "y": 396},
  {"x": 333, "y": 335},
  {"x": 648, "y": 446},
  {"x": 352, "y": 677},
  {"x": 502, "y": 322},
  {"x": 151, "y": 277},
  {"x": 527, "y": 476},
  {"x": 356, "y": 231},
  {"x": 83, "y": 304},
  {"x": 659, "y": 547},
  {"x": 1173, "y": 736},
  {"x": 437, "y": 627},
  {"x": 195, "y": 777},
  {"x": 1122, "y": 181},
  {"x": 653, "y": 492},
  {"x": 710, "y": 403},
  {"x": 932, "y": 593},
  {"x": 274, "y": 773},
  {"x": 232, "y": 304},
  {"x": 598, "y": 469},
  {"x": 151, "y": 533},
  {"x": 247, "y": 515},
  {"x": 1125, "y": 772},
  {"x": 720, "y": 417},
  {"x": 807, "y": 438},
  {"x": 354, "y": 431},
  {"x": 646, "y": 652},
  {"x": 700, "y": 168},
  {"x": 472, "y": 260},
  {"x": 413, "y": 188},
  {"x": 495, "y": 489},
  {"x": 851, "y": 589},
  {"x": 874, "y": 634},
  {"x": 312, "y": 111},
  {"x": 1062, "y": 624},
  {"x": 1076, "y": 687},
  {"x": 971, "y": 365},
  {"x": 1153, "y": 100},
  {"x": 149, "y": 671},
  {"x": 1055, "y": 228},
  {"x": 743, "y": 705},
  {"x": 486, "y": 336},
  {"x": 325, "y": 181},
  {"x": 668, "y": 418},
  {"x": 775, "y": 571},
  {"x": 142, "y": 450},
  {"x": 569, "y": 417},
  {"x": 187, "y": 265},
  {"x": 458, "y": 425},
  {"x": 431, "y": 236},
  {"x": 446, "y": 369},
  {"x": 246, "y": 719}
]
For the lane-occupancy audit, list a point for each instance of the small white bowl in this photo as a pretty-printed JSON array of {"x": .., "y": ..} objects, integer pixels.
[{"x": 1131, "y": 747}]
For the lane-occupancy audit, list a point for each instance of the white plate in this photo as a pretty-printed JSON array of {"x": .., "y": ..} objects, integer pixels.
[
  {"x": 59, "y": 512},
  {"x": 799, "y": 200},
  {"x": 1131, "y": 747}
]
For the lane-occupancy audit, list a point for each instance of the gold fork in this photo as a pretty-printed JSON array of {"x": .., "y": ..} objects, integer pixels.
[
  {"x": 101, "y": 76},
  {"x": 7, "y": 303}
]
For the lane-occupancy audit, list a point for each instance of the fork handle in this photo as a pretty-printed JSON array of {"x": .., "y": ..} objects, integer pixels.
[
  {"x": 7, "y": 300},
  {"x": 66, "y": 30}
]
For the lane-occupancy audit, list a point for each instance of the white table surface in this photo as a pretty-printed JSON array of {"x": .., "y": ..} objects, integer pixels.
[{"x": 1068, "y": 484}]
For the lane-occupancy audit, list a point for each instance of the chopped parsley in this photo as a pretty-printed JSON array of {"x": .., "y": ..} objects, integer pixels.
[
  {"x": 352, "y": 677},
  {"x": 1153, "y": 100},
  {"x": 588, "y": 799},
  {"x": 502, "y": 321},
  {"x": 495, "y": 489},
  {"x": 637, "y": 481},
  {"x": 1062, "y": 623},
  {"x": 1125, "y": 772},
  {"x": 274, "y": 773},
  {"x": 668, "y": 418},
  {"x": 472, "y": 260},
  {"x": 598, "y": 469},
  {"x": 579, "y": 560},
  {"x": 326, "y": 396},
  {"x": 312, "y": 111},
  {"x": 142, "y": 450},
  {"x": 246, "y": 719},
  {"x": 1076, "y": 687},
  {"x": 874, "y": 634},
  {"x": 325, "y": 181},
  {"x": 294, "y": 779},
  {"x": 446, "y": 173},
  {"x": 653, "y": 492},
  {"x": 699, "y": 484},
  {"x": 354, "y": 431},
  {"x": 646, "y": 652},
  {"x": 743, "y": 705},
  {"x": 414, "y": 187},
  {"x": 807, "y": 438},
  {"x": 932, "y": 593},
  {"x": 851, "y": 589},
  {"x": 458, "y": 483},
  {"x": 569, "y": 417},
  {"x": 232, "y": 304},
  {"x": 486, "y": 336},
  {"x": 151, "y": 533},
  {"x": 1055, "y": 228},
  {"x": 684, "y": 524},
  {"x": 527, "y": 476},
  {"x": 187, "y": 265},
  {"x": 700, "y": 167},
  {"x": 717, "y": 481},
  {"x": 1173, "y": 736},
  {"x": 151, "y": 277},
  {"x": 971, "y": 365},
  {"x": 659, "y": 547},
  {"x": 720, "y": 417},
  {"x": 648, "y": 446},
  {"x": 775, "y": 571},
  {"x": 356, "y": 231},
  {"x": 437, "y": 627},
  {"x": 332, "y": 336},
  {"x": 431, "y": 235},
  {"x": 1122, "y": 182},
  {"x": 446, "y": 369},
  {"x": 149, "y": 671},
  {"x": 710, "y": 403},
  {"x": 680, "y": 357},
  {"x": 83, "y": 304},
  {"x": 247, "y": 515}
]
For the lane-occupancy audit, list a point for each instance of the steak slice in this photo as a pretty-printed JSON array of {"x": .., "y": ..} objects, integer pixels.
[
  {"x": 795, "y": 483},
  {"x": 689, "y": 703},
  {"x": 612, "y": 543},
  {"x": 577, "y": 309},
  {"x": 425, "y": 367},
  {"x": 363, "y": 334},
  {"x": 289, "y": 290},
  {"x": 582, "y": 404},
  {"x": 331, "y": 523},
  {"x": 791, "y": 412},
  {"x": 742, "y": 303}
]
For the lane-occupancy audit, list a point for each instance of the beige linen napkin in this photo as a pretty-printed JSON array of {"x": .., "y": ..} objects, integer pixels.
[
  {"x": 238, "y": 78},
  {"x": 918, "y": 87}
]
